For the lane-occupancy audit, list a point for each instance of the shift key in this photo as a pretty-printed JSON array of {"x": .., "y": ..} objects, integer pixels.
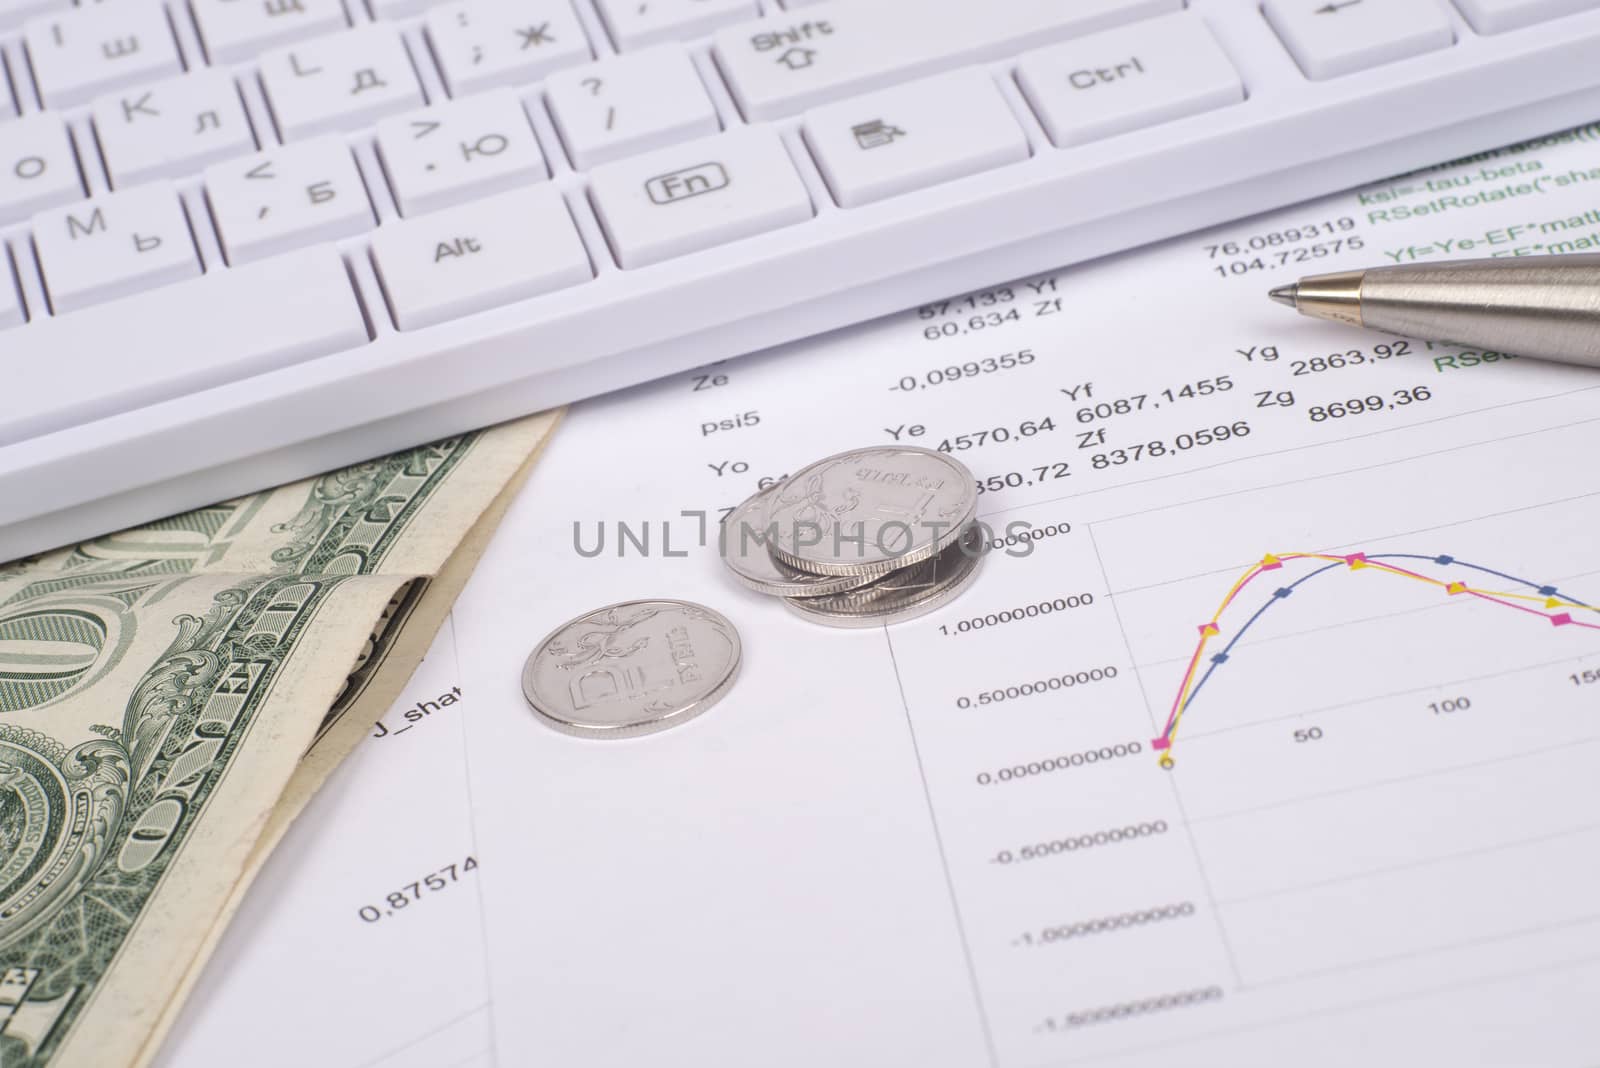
[{"x": 780, "y": 66}]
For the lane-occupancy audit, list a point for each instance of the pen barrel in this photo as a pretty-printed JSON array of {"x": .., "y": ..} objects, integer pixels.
[{"x": 1546, "y": 307}]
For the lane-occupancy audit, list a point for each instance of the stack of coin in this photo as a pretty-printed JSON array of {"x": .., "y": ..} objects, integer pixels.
[{"x": 871, "y": 536}]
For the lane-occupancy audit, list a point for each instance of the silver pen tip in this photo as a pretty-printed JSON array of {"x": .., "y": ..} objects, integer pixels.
[{"x": 1285, "y": 295}]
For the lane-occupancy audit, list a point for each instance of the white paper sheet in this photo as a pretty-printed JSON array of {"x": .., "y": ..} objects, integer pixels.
[
  {"x": 320, "y": 967},
  {"x": 1378, "y": 842}
]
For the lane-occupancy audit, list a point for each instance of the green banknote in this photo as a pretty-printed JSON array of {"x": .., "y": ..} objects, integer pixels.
[{"x": 171, "y": 696}]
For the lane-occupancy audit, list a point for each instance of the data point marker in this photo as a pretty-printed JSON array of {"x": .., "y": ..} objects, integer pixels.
[{"x": 1549, "y": 597}]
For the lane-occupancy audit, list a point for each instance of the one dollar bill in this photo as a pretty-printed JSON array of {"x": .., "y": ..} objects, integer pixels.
[{"x": 171, "y": 696}]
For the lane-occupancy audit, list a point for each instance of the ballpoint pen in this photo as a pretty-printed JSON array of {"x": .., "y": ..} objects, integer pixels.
[{"x": 1546, "y": 307}]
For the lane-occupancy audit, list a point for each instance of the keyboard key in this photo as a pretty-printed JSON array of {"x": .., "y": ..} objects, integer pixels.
[
  {"x": 286, "y": 197},
  {"x": 172, "y": 127},
  {"x": 630, "y": 104},
  {"x": 459, "y": 149},
  {"x": 233, "y": 30},
  {"x": 80, "y": 53},
  {"x": 11, "y": 312},
  {"x": 1330, "y": 39},
  {"x": 480, "y": 255},
  {"x": 636, "y": 23},
  {"x": 38, "y": 168},
  {"x": 346, "y": 79},
  {"x": 1498, "y": 16},
  {"x": 178, "y": 340},
  {"x": 482, "y": 43},
  {"x": 1127, "y": 78},
  {"x": 399, "y": 9},
  {"x": 690, "y": 197},
  {"x": 784, "y": 64},
  {"x": 914, "y": 135},
  {"x": 114, "y": 245},
  {"x": 16, "y": 12}
]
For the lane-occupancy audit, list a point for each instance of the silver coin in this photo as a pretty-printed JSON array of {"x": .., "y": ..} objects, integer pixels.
[
  {"x": 871, "y": 511},
  {"x": 633, "y": 668},
  {"x": 904, "y": 595},
  {"x": 744, "y": 550}
]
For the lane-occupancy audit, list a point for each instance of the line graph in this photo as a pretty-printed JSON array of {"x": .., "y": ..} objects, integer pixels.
[{"x": 1544, "y": 600}]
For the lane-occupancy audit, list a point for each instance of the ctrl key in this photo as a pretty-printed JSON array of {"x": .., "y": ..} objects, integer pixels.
[
  {"x": 1128, "y": 78},
  {"x": 480, "y": 255}
]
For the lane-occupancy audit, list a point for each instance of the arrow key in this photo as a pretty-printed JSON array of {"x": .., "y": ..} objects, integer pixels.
[
  {"x": 1329, "y": 38},
  {"x": 1497, "y": 16}
]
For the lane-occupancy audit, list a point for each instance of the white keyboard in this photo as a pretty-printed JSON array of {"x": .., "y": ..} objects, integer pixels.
[{"x": 248, "y": 240}]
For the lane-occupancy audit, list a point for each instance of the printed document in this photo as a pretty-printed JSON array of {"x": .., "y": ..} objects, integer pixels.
[
  {"x": 1364, "y": 569},
  {"x": 1344, "y": 583}
]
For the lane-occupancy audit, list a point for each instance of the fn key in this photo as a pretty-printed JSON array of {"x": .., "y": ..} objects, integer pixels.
[{"x": 696, "y": 195}]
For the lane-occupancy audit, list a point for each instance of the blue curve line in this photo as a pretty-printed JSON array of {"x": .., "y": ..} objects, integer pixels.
[
  {"x": 1282, "y": 593},
  {"x": 1545, "y": 591}
]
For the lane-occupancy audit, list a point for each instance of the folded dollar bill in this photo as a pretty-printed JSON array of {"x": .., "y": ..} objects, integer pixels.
[{"x": 171, "y": 696}]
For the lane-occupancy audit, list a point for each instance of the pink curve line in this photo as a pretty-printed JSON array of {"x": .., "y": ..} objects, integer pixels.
[
  {"x": 1164, "y": 739},
  {"x": 1256, "y": 570},
  {"x": 1570, "y": 622}
]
